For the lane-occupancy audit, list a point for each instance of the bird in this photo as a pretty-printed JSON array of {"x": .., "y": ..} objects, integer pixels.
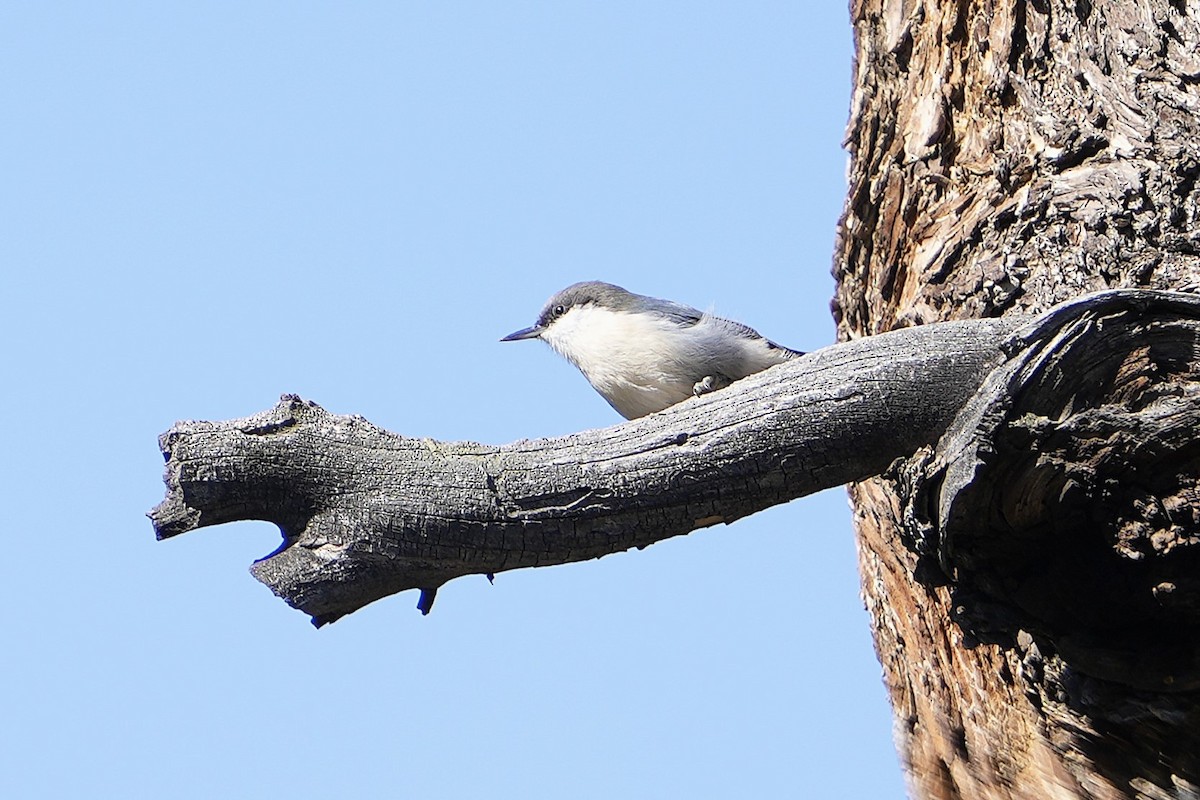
[{"x": 643, "y": 354}]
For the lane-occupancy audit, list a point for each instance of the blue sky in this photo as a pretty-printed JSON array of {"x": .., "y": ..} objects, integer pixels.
[{"x": 207, "y": 205}]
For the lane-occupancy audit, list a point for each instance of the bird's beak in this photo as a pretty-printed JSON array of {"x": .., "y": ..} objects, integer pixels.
[{"x": 525, "y": 333}]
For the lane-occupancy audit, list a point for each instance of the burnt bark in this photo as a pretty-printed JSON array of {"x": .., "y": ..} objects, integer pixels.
[{"x": 1033, "y": 623}]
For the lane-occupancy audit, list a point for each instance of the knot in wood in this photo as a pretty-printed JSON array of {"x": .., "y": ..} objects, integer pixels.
[{"x": 1068, "y": 490}]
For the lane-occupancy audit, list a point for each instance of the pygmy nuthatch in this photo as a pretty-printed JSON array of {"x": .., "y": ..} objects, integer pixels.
[{"x": 643, "y": 354}]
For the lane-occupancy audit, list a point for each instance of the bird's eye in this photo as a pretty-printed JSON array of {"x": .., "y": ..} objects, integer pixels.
[{"x": 559, "y": 311}]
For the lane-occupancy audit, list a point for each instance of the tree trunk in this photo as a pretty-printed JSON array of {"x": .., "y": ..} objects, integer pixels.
[{"x": 1007, "y": 156}]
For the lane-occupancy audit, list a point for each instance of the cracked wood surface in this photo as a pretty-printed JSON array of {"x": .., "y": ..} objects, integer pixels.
[{"x": 366, "y": 513}]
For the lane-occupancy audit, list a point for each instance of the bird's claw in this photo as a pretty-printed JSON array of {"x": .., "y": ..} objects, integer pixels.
[{"x": 710, "y": 383}]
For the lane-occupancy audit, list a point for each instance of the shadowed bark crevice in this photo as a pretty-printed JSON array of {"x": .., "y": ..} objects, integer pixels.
[{"x": 1066, "y": 493}]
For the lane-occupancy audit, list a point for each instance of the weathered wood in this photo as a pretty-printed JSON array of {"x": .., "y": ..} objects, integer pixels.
[
  {"x": 1005, "y": 156},
  {"x": 366, "y": 513},
  {"x": 1069, "y": 490}
]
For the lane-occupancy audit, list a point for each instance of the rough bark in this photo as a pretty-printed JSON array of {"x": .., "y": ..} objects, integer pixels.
[
  {"x": 1006, "y": 156},
  {"x": 366, "y": 513}
]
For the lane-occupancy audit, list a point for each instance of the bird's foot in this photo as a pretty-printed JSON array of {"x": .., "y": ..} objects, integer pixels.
[{"x": 710, "y": 384}]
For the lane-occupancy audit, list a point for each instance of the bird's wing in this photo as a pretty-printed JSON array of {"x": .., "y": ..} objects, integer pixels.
[
  {"x": 746, "y": 332},
  {"x": 686, "y": 315},
  {"x": 777, "y": 346},
  {"x": 679, "y": 313}
]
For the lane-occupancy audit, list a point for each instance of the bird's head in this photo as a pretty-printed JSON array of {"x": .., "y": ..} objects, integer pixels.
[{"x": 577, "y": 314}]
